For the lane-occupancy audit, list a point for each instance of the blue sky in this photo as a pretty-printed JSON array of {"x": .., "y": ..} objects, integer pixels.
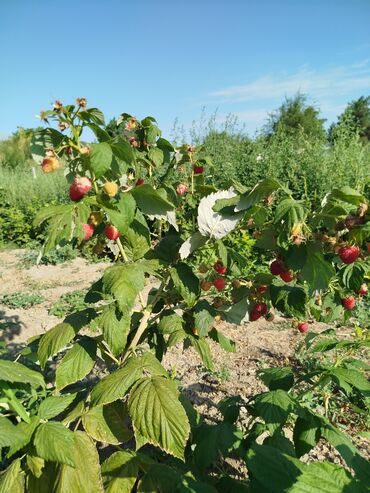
[{"x": 171, "y": 58}]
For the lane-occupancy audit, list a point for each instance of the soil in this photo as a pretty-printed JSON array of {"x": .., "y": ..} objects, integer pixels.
[{"x": 259, "y": 344}]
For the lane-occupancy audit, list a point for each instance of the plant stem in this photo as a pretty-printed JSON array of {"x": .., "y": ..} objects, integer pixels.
[
  {"x": 142, "y": 326},
  {"x": 124, "y": 256}
]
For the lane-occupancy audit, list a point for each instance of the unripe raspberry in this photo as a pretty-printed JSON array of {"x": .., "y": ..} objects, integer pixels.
[
  {"x": 349, "y": 302},
  {"x": 58, "y": 105},
  {"x": 206, "y": 285},
  {"x": 63, "y": 125},
  {"x": 50, "y": 164},
  {"x": 363, "y": 290},
  {"x": 203, "y": 269},
  {"x": 79, "y": 187},
  {"x": 110, "y": 188},
  {"x": 219, "y": 283},
  {"x": 236, "y": 283},
  {"x": 82, "y": 102},
  {"x": 96, "y": 218},
  {"x": 89, "y": 231},
  {"x": 111, "y": 232},
  {"x": 181, "y": 189},
  {"x": 218, "y": 302},
  {"x": 349, "y": 254}
]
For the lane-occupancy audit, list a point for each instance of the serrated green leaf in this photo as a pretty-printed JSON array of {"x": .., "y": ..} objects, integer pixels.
[
  {"x": 124, "y": 282},
  {"x": 122, "y": 149},
  {"x": 150, "y": 201},
  {"x": 317, "y": 271},
  {"x": 170, "y": 322},
  {"x": 115, "y": 328},
  {"x": 11, "y": 371},
  {"x": 122, "y": 212},
  {"x": 186, "y": 283},
  {"x": 324, "y": 477},
  {"x": 157, "y": 414},
  {"x": 54, "y": 405},
  {"x": 35, "y": 464},
  {"x": 54, "y": 442},
  {"x": 288, "y": 213},
  {"x": 12, "y": 479},
  {"x": 120, "y": 472},
  {"x": 204, "y": 317},
  {"x": 100, "y": 158},
  {"x": 23, "y": 434},
  {"x": 9, "y": 433},
  {"x": 107, "y": 423},
  {"x": 306, "y": 434},
  {"x": 290, "y": 300},
  {"x": 76, "y": 363},
  {"x": 203, "y": 349},
  {"x": 273, "y": 407},
  {"x": 226, "y": 343},
  {"x": 277, "y": 378},
  {"x": 347, "y": 194},
  {"x": 85, "y": 476},
  {"x": 136, "y": 241},
  {"x": 115, "y": 385},
  {"x": 263, "y": 189}
]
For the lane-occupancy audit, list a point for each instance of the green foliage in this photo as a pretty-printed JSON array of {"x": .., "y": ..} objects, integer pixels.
[
  {"x": 109, "y": 385},
  {"x": 21, "y": 299},
  {"x": 55, "y": 256}
]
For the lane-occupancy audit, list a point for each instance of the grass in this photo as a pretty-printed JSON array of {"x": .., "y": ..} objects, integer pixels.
[{"x": 69, "y": 303}]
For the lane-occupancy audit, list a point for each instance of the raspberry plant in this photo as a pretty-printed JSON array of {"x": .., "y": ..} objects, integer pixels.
[{"x": 97, "y": 379}]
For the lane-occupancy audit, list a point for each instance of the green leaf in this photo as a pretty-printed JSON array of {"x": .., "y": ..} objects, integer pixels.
[
  {"x": 354, "y": 378},
  {"x": 124, "y": 282},
  {"x": 273, "y": 407},
  {"x": 121, "y": 213},
  {"x": 288, "y": 213},
  {"x": 137, "y": 238},
  {"x": 204, "y": 317},
  {"x": 290, "y": 300},
  {"x": 11, "y": 371},
  {"x": 23, "y": 434},
  {"x": 348, "y": 195},
  {"x": 35, "y": 464},
  {"x": 317, "y": 271},
  {"x": 283, "y": 470},
  {"x": 46, "y": 481},
  {"x": 189, "y": 246},
  {"x": 159, "y": 478},
  {"x": 92, "y": 115},
  {"x": 120, "y": 472},
  {"x": 324, "y": 477},
  {"x": 150, "y": 201},
  {"x": 306, "y": 434},
  {"x": 55, "y": 442},
  {"x": 158, "y": 416},
  {"x": 156, "y": 156},
  {"x": 186, "y": 283},
  {"x": 85, "y": 476},
  {"x": 76, "y": 363},
  {"x": 100, "y": 158},
  {"x": 9, "y": 433},
  {"x": 54, "y": 405},
  {"x": 47, "y": 138},
  {"x": 203, "y": 349},
  {"x": 108, "y": 423},
  {"x": 115, "y": 328},
  {"x": 12, "y": 479},
  {"x": 353, "y": 276},
  {"x": 277, "y": 378},
  {"x": 263, "y": 189},
  {"x": 226, "y": 343},
  {"x": 238, "y": 313},
  {"x": 115, "y": 385},
  {"x": 170, "y": 322},
  {"x": 59, "y": 336},
  {"x": 122, "y": 149}
]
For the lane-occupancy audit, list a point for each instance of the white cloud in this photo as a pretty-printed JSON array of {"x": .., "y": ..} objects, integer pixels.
[{"x": 335, "y": 81}]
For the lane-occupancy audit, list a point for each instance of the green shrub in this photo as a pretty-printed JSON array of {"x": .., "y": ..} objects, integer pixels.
[
  {"x": 69, "y": 303},
  {"x": 56, "y": 256}
]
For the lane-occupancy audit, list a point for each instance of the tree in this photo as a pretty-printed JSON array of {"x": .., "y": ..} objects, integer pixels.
[
  {"x": 295, "y": 115},
  {"x": 357, "y": 117}
]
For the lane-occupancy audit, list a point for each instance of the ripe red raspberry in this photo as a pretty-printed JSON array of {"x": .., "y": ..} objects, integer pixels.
[
  {"x": 198, "y": 170},
  {"x": 89, "y": 231},
  {"x": 111, "y": 232},
  {"x": 363, "y": 290},
  {"x": 287, "y": 276},
  {"x": 140, "y": 181},
  {"x": 349, "y": 302},
  {"x": 348, "y": 254},
  {"x": 254, "y": 315},
  {"x": 303, "y": 327},
  {"x": 219, "y": 283},
  {"x": 276, "y": 267},
  {"x": 220, "y": 268},
  {"x": 79, "y": 187},
  {"x": 181, "y": 189},
  {"x": 260, "y": 308},
  {"x": 262, "y": 289}
]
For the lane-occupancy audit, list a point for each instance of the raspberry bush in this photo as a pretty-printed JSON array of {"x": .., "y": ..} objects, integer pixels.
[{"x": 97, "y": 379}]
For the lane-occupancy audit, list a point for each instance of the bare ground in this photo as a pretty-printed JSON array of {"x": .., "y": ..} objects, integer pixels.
[{"x": 259, "y": 344}]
